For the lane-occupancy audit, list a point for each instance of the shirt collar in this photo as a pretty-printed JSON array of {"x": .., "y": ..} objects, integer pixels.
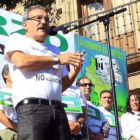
[{"x": 136, "y": 112}]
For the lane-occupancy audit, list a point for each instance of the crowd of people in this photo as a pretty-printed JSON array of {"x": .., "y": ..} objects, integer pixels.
[{"x": 38, "y": 77}]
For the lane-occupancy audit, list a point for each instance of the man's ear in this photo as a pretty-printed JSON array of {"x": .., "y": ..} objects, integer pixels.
[
  {"x": 24, "y": 24},
  {"x": 5, "y": 76}
]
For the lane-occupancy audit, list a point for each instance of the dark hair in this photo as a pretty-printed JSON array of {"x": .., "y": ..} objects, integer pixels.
[
  {"x": 78, "y": 81},
  {"x": 5, "y": 71},
  {"x": 128, "y": 107},
  {"x": 105, "y": 91}
]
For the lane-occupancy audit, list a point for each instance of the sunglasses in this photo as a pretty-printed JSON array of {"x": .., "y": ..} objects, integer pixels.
[{"x": 85, "y": 84}]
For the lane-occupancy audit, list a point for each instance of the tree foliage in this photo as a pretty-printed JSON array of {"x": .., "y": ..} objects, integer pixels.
[{"x": 11, "y": 4}]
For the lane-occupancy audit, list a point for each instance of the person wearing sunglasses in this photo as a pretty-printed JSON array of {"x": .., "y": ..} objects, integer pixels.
[
  {"x": 130, "y": 121},
  {"x": 39, "y": 76},
  {"x": 85, "y": 86},
  {"x": 95, "y": 119},
  {"x": 75, "y": 119}
]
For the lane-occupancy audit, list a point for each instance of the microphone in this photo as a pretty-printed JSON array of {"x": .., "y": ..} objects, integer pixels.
[
  {"x": 52, "y": 30},
  {"x": 111, "y": 14},
  {"x": 120, "y": 11}
]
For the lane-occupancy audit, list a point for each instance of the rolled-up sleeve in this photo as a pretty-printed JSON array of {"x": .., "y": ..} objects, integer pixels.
[{"x": 16, "y": 42}]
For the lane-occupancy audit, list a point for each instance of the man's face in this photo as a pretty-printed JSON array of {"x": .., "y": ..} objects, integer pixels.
[
  {"x": 106, "y": 100},
  {"x": 36, "y": 25},
  {"x": 85, "y": 87},
  {"x": 134, "y": 102}
]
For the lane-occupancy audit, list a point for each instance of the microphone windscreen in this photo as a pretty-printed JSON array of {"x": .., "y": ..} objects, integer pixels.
[{"x": 50, "y": 30}]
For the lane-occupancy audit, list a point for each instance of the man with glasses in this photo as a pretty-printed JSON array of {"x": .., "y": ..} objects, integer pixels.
[
  {"x": 39, "y": 76},
  {"x": 95, "y": 120},
  {"x": 85, "y": 86},
  {"x": 75, "y": 119}
]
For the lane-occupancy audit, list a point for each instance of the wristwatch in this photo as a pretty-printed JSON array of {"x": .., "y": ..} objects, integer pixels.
[
  {"x": 56, "y": 60},
  {"x": 81, "y": 125}
]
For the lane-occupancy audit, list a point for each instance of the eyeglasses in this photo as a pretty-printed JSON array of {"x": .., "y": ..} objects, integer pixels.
[
  {"x": 85, "y": 84},
  {"x": 39, "y": 18}
]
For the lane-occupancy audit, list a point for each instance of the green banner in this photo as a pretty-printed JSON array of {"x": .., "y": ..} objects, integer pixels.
[
  {"x": 73, "y": 104},
  {"x": 96, "y": 68},
  {"x": 5, "y": 99}
]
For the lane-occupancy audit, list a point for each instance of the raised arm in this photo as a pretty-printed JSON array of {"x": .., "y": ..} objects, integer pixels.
[{"x": 26, "y": 61}]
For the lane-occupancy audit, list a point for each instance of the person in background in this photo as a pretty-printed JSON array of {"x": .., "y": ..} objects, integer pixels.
[
  {"x": 95, "y": 120},
  {"x": 106, "y": 102},
  {"x": 41, "y": 69},
  {"x": 8, "y": 116},
  {"x": 130, "y": 121},
  {"x": 76, "y": 120}
]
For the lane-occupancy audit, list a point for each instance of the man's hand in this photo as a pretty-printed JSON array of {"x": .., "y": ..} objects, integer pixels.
[
  {"x": 74, "y": 127},
  {"x": 74, "y": 59},
  {"x": 105, "y": 129}
]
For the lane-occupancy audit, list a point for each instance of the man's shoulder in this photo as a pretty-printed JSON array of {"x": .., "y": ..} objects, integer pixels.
[
  {"x": 74, "y": 87},
  {"x": 102, "y": 109},
  {"x": 16, "y": 35},
  {"x": 16, "y": 38},
  {"x": 92, "y": 104}
]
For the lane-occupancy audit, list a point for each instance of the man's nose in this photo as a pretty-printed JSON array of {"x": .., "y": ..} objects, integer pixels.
[
  {"x": 43, "y": 20},
  {"x": 106, "y": 99},
  {"x": 87, "y": 86}
]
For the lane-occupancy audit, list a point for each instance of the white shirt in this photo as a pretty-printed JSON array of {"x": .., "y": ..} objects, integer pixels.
[
  {"x": 45, "y": 83},
  {"x": 74, "y": 92},
  {"x": 9, "y": 111},
  {"x": 130, "y": 124},
  {"x": 111, "y": 119},
  {"x": 95, "y": 118}
]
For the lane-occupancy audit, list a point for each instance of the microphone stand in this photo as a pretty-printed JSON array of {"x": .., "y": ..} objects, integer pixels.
[
  {"x": 98, "y": 19},
  {"x": 105, "y": 20}
]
